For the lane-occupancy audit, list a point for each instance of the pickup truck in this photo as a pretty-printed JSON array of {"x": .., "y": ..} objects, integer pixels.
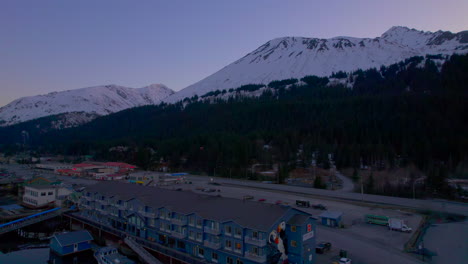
[
  {"x": 319, "y": 206},
  {"x": 302, "y": 203},
  {"x": 323, "y": 247}
]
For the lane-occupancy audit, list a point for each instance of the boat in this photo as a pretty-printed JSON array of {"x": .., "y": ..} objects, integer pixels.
[{"x": 110, "y": 255}]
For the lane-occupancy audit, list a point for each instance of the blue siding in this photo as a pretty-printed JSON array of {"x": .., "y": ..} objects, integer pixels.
[{"x": 278, "y": 241}]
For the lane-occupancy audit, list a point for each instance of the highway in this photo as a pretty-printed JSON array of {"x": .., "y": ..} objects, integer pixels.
[{"x": 433, "y": 205}]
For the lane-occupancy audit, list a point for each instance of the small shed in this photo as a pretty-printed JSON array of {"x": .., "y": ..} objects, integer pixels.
[
  {"x": 331, "y": 218},
  {"x": 72, "y": 242}
]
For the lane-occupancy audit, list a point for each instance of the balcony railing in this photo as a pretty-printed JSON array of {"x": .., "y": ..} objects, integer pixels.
[
  {"x": 178, "y": 235},
  {"x": 103, "y": 202},
  {"x": 177, "y": 221},
  {"x": 120, "y": 206},
  {"x": 148, "y": 214},
  {"x": 212, "y": 231},
  {"x": 211, "y": 244},
  {"x": 104, "y": 212},
  {"x": 255, "y": 241},
  {"x": 254, "y": 257}
]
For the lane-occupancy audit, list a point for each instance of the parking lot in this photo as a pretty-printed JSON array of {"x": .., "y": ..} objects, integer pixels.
[{"x": 365, "y": 243}]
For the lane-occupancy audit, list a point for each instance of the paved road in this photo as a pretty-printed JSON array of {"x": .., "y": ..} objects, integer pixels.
[
  {"x": 348, "y": 185},
  {"x": 434, "y": 205}
]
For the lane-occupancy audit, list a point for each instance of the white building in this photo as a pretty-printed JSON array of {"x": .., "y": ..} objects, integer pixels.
[
  {"x": 44, "y": 195},
  {"x": 53, "y": 166}
]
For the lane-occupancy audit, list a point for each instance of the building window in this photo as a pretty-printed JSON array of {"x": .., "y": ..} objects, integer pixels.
[
  {"x": 293, "y": 243},
  {"x": 201, "y": 252},
  {"x": 229, "y": 260},
  {"x": 239, "y": 261},
  {"x": 228, "y": 230},
  {"x": 191, "y": 221},
  {"x": 255, "y": 234},
  {"x": 255, "y": 251},
  {"x": 238, "y": 247},
  {"x": 50, "y": 193},
  {"x": 181, "y": 244},
  {"x": 293, "y": 228},
  {"x": 228, "y": 244},
  {"x": 214, "y": 257},
  {"x": 199, "y": 237},
  {"x": 191, "y": 235},
  {"x": 43, "y": 194},
  {"x": 238, "y": 232},
  {"x": 199, "y": 223}
]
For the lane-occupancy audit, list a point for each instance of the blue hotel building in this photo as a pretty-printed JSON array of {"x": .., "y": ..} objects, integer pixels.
[{"x": 208, "y": 229}]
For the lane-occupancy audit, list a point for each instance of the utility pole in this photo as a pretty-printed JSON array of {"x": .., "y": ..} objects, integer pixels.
[{"x": 362, "y": 189}]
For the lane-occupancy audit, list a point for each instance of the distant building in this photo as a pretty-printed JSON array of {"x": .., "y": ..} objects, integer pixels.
[
  {"x": 201, "y": 228},
  {"x": 53, "y": 166},
  {"x": 39, "y": 196},
  {"x": 72, "y": 242},
  {"x": 331, "y": 218}
]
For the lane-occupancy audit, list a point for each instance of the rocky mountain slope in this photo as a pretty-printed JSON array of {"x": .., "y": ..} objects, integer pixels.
[
  {"x": 83, "y": 104},
  {"x": 296, "y": 57}
]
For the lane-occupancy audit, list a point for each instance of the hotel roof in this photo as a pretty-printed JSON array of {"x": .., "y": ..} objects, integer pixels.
[{"x": 255, "y": 215}]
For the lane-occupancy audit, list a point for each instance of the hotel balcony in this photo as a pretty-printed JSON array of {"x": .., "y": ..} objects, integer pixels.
[
  {"x": 148, "y": 214},
  {"x": 104, "y": 212},
  {"x": 178, "y": 235},
  {"x": 103, "y": 202},
  {"x": 212, "y": 231},
  {"x": 121, "y": 206},
  {"x": 211, "y": 244},
  {"x": 255, "y": 241},
  {"x": 255, "y": 257},
  {"x": 177, "y": 221}
]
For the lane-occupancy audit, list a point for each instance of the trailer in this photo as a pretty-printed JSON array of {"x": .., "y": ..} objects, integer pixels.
[{"x": 398, "y": 225}]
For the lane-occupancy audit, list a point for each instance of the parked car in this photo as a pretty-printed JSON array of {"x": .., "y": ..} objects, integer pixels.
[
  {"x": 247, "y": 197},
  {"x": 345, "y": 261},
  {"x": 302, "y": 203},
  {"x": 319, "y": 206},
  {"x": 261, "y": 200},
  {"x": 279, "y": 202},
  {"x": 323, "y": 247}
]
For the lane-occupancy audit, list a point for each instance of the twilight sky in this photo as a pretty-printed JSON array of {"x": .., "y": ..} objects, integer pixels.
[{"x": 54, "y": 45}]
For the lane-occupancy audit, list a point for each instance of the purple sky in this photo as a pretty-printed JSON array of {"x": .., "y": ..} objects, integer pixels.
[{"x": 60, "y": 45}]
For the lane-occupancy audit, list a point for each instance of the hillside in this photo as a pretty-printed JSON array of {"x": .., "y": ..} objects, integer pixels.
[
  {"x": 81, "y": 104},
  {"x": 296, "y": 57}
]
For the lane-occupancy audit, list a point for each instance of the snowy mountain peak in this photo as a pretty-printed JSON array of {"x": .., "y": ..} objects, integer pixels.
[
  {"x": 97, "y": 100},
  {"x": 296, "y": 57}
]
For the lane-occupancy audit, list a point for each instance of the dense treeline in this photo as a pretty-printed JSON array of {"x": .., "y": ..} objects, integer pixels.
[{"x": 411, "y": 112}]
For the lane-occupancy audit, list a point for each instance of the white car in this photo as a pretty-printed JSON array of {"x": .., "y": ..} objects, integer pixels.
[{"x": 345, "y": 261}]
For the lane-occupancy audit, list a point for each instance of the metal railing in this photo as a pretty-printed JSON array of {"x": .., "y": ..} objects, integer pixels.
[
  {"x": 211, "y": 244},
  {"x": 177, "y": 221},
  {"x": 255, "y": 257},
  {"x": 255, "y": 241},
  {"x": 143, "y": 242},
  {"x": 213, "y": 231},
  {"x": 145, "y": 255},
  {"x": 29, "y": 220}
]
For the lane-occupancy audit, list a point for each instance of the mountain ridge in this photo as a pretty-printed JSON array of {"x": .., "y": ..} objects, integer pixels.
[
  {"x": 296, "y": 57},
  {"x": 96, "y": 100}
]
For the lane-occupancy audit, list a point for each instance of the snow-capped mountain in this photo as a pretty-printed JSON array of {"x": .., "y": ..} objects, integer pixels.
[
  {"x": 91, "y": 102},
  {"x": 296, "y": 57}
]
